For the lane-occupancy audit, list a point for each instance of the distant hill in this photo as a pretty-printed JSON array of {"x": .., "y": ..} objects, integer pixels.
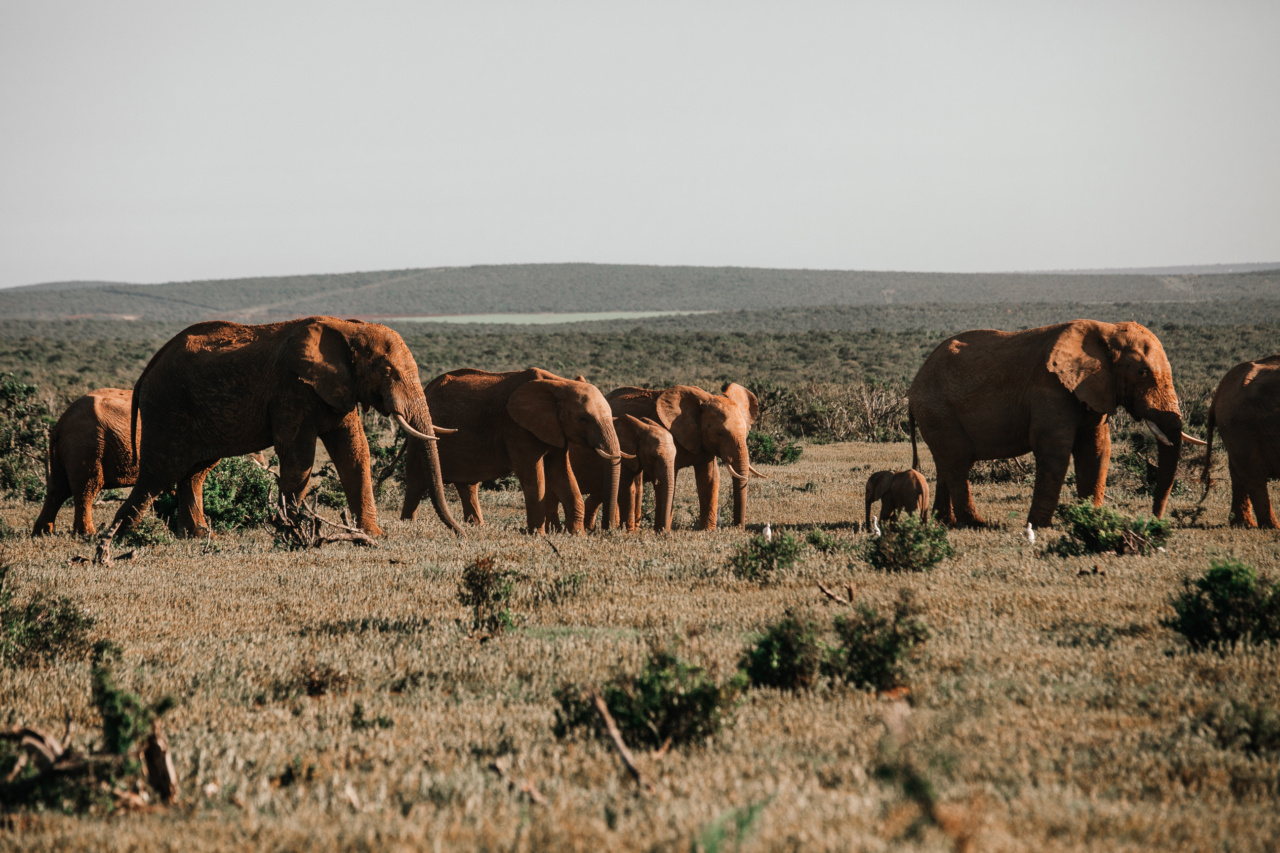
[{"x": 530, "y": 288}]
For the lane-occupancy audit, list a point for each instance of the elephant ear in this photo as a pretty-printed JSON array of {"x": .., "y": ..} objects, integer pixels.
[
  {"x": 1082, "y": 361},
  {"x": 680, "y": 411},
  {"x": 535, "y": 406},
  {"x": 745, "y": 399},
  {"x": 320, "y": 355}
]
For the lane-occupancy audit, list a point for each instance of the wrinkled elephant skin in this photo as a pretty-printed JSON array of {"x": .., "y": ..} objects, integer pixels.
[
  {"x": 1050, "y": 391},
  {"x": 224, "y": 389},
  {"x": 705, "y": 427},
  {"x": 524, "y": 422}
]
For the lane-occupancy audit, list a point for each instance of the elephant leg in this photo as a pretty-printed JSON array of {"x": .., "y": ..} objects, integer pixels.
[
  {"x": 191, "y": 520},
  {"x": 415, "y": 479},
  {"x": 85, "y": 493},
  {"x": 590, "y": 504},
  {"x": 551, "y": 512},
  {"x": 1092, "y": 454},
  {"x": 56, "y": 492},
  {"x": 1052, "y": 463},
  {"x": 707, "y": 478},
  {"x": 628, "y": 502},
  {"x": 1241, "y": 506},
  {"x": 1261, "y": 500},
  {"x": 349, "y": 450},
  {"x": 942, "y": 504},
  {"x": 296, "y": 460},
  {"x": 561, "y": 483},
  {"x": 953, "y": 484},
  {"x": 469, "y": 496},
  {"x": 533, "y": 484}
]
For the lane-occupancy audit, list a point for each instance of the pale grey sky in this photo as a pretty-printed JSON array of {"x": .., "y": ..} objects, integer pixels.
[{"x": 161, "y": 141}]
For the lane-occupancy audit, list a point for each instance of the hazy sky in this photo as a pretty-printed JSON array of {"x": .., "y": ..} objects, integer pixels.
[{"x": 159, "y": 141}]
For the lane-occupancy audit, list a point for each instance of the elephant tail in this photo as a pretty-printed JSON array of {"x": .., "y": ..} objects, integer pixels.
[
  {"x": 1208, "y": 453},
  {"x": 915, "y": 451},
  {"x": 133, "y": 428}
]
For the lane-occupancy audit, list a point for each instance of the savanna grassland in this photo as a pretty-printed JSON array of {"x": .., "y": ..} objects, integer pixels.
[
  {"x": 339, "y": 698},
  {"x": 343, "y": 697}
]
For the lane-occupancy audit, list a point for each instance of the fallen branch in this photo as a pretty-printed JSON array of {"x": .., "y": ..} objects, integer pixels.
[
  {"x": 619, "y": 744},
  {"x": 831, "y": 595}
]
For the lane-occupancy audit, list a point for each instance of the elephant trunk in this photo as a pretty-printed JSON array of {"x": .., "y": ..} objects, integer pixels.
[
  {"x": 1167, "y": 455},
  {"x": 420, "y": 419},
  {"x": 740, "y": 463},
  {"x": 664, "y": 495},
  {"x": 605, "y": 443}
]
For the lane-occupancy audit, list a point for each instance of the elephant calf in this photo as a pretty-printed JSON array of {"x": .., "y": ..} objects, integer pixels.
[{"x": 897, "y": 490}]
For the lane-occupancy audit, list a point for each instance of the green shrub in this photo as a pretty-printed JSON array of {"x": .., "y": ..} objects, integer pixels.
[
  {"x": 487, "y": 590},
  {"x": 24, "y": 439},
  {"x": 41, "y": 630},
  {"x": 760, "y": 560},
  {"x": 788, "y": 655},
  {"x": 827, "y": 543},
  {"x": 1098, "y": 530},
  {"x": 147, "y": 532},
  {"x": 237, "y": 493},
  {"x": 125, "y": 717},
  {"x": 768, "y": 450},
  {"x": 872, "y": 651},
  {"x": 1228, "y": 604},
  {"x": 908, "y": 545},
  {"x": 670, "y": 699}
]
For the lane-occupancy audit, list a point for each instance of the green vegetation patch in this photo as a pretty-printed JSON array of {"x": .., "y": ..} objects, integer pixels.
[
  {"x": 1230, "y": 603},
  {"x": 1101, "y": 530}
]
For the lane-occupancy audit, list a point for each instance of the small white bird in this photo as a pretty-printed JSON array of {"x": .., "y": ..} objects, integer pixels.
[
  {"x": 875, "y": 525},
  {"x": 768, "y": 532},
  {"x": 1030, "y": 534}
]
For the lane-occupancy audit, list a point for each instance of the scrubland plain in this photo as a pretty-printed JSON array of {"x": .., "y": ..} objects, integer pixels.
[{"x": 1049, "y": 709}]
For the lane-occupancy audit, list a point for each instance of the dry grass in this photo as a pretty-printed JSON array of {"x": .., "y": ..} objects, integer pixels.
[{"x": 1050, "y": 710}]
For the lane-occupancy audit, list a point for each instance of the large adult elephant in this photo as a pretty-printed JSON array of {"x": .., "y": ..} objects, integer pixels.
[
  {"x": 986, "y": 394},
  {"x": 1246, "y": 410},
  {"x": 705, "y": 427},
  {"x": 649, "y": 455},
  {"x": 222, "y": 389},
  {"x": 522, "y": 422}
]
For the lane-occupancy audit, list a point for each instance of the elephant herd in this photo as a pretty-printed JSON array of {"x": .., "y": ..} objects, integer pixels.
[{"x": 221, "y": 389}]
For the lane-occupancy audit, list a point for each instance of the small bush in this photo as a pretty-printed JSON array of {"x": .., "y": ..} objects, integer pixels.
[
  {"x": 125, "y": 717},
  {"x": 788, "y": 655},
  {"x": 1228, "y": 604},
  {"x": 873, "y": 650},
  {"x": 487, "y": 590},
  {"x": 768, "y": 450},
  {"x": 761, "y": 560},
  {"x": 908, "y": 545},
  {"x": 149, "y": 531},
  {"x": 237, "y": 493},
  {"x": 359, "y": 722},
  {"x": 827, "y": 543},
  {"x": 24, "y": 439},
  {"x": 41, "y": 630},
  {"x": 670, "y": 699},
  {"x": 1098, "y": 530},
  {"x": 1249, "y": 728}
]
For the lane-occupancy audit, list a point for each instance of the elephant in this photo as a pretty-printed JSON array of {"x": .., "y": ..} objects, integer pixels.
[
  {"x": 1246, "y": 409},
  {"x": 654, "y": 458},
  {"x": 897, "y": 490},
  {"x": 704, "y": 426},
  {"x": 220, "y": 389},
  {"x": 526, "y": 422},
  {"x": 986, "y": 394},
  {"x": 89, "y": 451}
]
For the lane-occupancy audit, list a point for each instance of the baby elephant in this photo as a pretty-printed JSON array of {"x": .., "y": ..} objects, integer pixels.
[{"x": 897, "y": 490}]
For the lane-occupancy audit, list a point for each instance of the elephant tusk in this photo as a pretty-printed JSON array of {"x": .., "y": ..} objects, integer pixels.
[
  {"x": 404, "y": 425},
  {"x": 604, "y": 455},
  {"x": 1191, "y": 439},
  {"x": 735, "y": 474},
  {"x": 1155, "y": 430},
  {"x": 439, "y": 430},
  {"x": 753, "y": 470}
]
